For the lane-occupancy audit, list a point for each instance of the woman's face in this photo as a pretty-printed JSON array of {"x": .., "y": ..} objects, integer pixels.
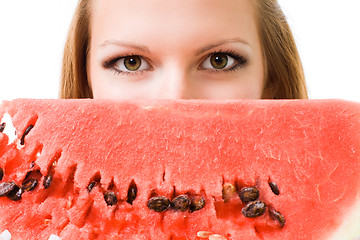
[{"x": 178, "y": 49}]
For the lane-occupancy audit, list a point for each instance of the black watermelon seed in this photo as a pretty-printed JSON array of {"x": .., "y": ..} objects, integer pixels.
[
  {"x": 27, "y": 175},
  {"x": 110, "y": 198},
  {"x": 274, "y": 188},
  {"x": 15, "y": 194},
  {"x": 132, "y": 193},
  {"x": 91, "y": 186},
  {"x": 254, "y": 209},
  {"x": 158, "y": 204},
  {"x": 6, "y": 188},
  {"x": 1, "y": 173},
  {"x": 2, "y": 127},
  {"x": 29, "y": 185},
  {"x": 32, "y": 165},
  {"x": 27, "y": 130},
  {"x": 278, "y": 217},
  {"x": 197, "y": 203},
  {"x": 228, "y": 191},
  {"x": 249, "y": 194},
  {"x": 47, "y": 181},
  {"x": 181, "y": 203}
]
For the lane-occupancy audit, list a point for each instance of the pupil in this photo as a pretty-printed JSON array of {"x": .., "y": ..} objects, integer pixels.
[
  {"x": 132, "y": 61},
  {"x": 218, "y": 60}
]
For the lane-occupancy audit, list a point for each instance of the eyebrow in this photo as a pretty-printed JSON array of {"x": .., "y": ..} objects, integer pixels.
[
  {"x": 143, "y": 48},
  {"x": 125, "y": 44},
  {"x": 221, "y": 42}
]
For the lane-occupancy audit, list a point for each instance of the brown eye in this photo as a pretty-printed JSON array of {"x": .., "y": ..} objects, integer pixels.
[
  {"x": 222, "y": 61},
  {"x": 132, "y": 63},
  {"x": 219, "y": 60},
  {"x": 129, "y": 64}
]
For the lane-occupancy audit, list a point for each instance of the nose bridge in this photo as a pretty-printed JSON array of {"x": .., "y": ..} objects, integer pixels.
[{"x": 174, "y": 81}]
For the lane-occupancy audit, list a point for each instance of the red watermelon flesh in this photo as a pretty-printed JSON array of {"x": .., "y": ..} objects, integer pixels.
[{"x": 308, "y": 150}]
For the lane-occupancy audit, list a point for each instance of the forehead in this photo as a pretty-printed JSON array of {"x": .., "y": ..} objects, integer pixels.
[{"x": 173, "y": 21}]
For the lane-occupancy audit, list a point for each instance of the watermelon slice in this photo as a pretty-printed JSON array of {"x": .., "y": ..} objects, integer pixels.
[{"x": 161, "y": 169}]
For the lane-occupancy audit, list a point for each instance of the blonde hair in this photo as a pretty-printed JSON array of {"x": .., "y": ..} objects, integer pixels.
[
  {"x": 74, "y": 82},
  {"x": 284, "y": 75},
  {"x": 284, "y": 72}
]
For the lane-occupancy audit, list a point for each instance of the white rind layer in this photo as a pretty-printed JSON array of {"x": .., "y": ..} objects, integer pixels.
[{"x": 350, "y": 228}]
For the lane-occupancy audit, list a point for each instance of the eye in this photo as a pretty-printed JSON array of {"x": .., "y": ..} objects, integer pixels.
[
  {"x": 131, "y": 64},
  {"x": 222, "y": 61}
]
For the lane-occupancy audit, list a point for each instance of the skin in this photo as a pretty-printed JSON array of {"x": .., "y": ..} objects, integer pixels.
[{"x": 178, "y": 44}]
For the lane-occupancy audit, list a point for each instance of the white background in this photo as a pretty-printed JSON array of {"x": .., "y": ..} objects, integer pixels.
[{"x": 32, "y": 36}]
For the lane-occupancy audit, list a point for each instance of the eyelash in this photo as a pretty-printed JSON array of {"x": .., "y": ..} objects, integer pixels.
[
  {"x": 109, "y": 64},
  {"x": 241, "y": 61}
]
